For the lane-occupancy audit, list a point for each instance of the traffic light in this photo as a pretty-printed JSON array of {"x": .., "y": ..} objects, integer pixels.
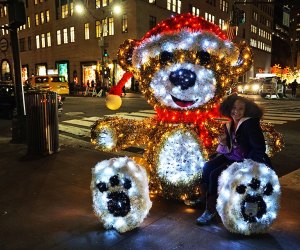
[
  {"x": 105, "y": 53},
  {"x": 16, "y": 12},
  {"x": 238, "y": 17}
]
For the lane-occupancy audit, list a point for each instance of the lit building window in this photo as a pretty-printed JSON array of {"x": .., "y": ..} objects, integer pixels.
[
  {"x": 37, "y": 41},
  {"x": 222, "y": 24},
  {"x": 72, "y": 34},
  {"x": 47, "y": 16},
  {"x": 174, "y": 5},
  {"x": 64, "y": 11},
  {"x": 104, "y": 27},
  {"x": 124, "y": 23},
  {"x": 71, "y": 9},
  {"x": 224, "y": 6},
  {"x": 86, "y": 31},
  {"x": 209, "y": 17},
  {"x": 98, "y": 4},
  {"x": 255, "y": 15},
  {"x": 98, "y": 29},
  {"x": 42, "y": 18},
  {"x": 58, "y": 37},
  {"x": 28, "y": 21},
  {"x": 37, "y": 20},
  {"x": 152, "y": 1},
  {"x": 111, "y": 28},
  {"x": 43, "y": 41},
  {"x": 104, "y": 3},
  {"x": 195, "y": 11},
  {"x": 65, "y": 31},
  {"x": 49, "y": 39}
]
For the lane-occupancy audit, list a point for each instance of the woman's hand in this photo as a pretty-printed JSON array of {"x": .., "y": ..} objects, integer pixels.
[{"x": 222, "y": 139}]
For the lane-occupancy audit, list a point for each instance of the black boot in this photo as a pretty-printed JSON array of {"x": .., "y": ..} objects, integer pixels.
[
  {"x": 210, "y": 211},
  {"x": 199, "y": 200}
]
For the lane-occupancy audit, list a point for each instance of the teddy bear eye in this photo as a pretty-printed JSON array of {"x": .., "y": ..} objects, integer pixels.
[
  {"x": 241, "y": 189},
  {"x": 203, "y": 56},
  {"x": 166, "y": 57}
]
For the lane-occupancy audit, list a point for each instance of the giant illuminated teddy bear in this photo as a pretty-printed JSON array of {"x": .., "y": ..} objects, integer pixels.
[{"x": 184, "y": 66}]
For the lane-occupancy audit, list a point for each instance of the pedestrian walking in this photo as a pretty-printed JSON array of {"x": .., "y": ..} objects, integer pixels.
[
  {"x": 294, "y": 86},
  {"x": 284, "y": 88},
  {"x": 242, "y": 139}
]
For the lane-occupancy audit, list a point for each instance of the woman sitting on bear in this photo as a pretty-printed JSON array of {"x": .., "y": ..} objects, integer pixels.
[{"x": 242, "y": 139}]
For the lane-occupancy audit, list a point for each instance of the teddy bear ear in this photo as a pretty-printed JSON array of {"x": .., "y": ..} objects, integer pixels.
[
  {"x": 125, "y": 55},
  {"x": 244, "y": 61}
]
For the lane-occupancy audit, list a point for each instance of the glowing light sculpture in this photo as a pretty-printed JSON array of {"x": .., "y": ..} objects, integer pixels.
[
  {"x": 248, "y": 200},
  {"x": 120, "y": 193}
]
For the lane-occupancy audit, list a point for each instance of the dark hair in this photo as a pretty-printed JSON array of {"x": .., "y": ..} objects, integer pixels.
[{"x": 251, "y": 108}]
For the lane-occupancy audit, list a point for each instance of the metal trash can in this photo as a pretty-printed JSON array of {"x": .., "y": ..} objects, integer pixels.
[{"x": 42, "y": 122}]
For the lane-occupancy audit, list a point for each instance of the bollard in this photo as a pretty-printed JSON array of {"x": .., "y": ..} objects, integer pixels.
[{"x": 42, "y": 123}]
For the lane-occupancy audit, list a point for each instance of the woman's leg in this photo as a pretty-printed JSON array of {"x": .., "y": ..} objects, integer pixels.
[
  {"x": 211, "y": 197},
  {"x": 210, "y": 166}
]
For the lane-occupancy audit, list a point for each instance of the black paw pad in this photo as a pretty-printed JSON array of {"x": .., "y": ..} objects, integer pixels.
[
  {"x": 118, "y": 204},
  {"x": 268, "y": 190},
  {"x": 118, "y": 200},
  {"x": 114, "y": 180},
  {"x": 102, "y": 187},
  {"x": 254, "y": 184}
]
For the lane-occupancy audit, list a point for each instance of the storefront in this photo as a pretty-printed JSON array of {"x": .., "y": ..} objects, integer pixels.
[
  {"x": 41, "y": 69},
  {"x": 63, "y": 68},
  {"x": 88, "y": 72},
  {"x": 25, "y": 73},
  {"x": 5, "y": 71}
]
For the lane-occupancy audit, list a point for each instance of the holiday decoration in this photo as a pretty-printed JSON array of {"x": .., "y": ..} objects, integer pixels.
[
  {"x": 113, "y": 102},
  {"x": 248, "y": 199},
  {"x": 120, "y": 193},
  {"x": 184, "y": 66}
]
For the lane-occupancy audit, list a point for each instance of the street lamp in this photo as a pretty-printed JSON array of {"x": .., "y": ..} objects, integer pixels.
[{"x": 79, "y": 8}]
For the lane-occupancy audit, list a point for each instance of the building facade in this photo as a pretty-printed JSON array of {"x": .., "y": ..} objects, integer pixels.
[{"x": 80, "y": 39}]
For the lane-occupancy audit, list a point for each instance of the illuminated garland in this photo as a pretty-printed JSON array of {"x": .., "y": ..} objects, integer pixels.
[
  {"x": 248, "y": 199},
  {"x": 120, "y": 193},
  {"x": 274, "y": 140}
]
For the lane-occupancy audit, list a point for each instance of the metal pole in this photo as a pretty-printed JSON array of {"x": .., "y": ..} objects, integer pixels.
[{"x": 19, "y": 122}]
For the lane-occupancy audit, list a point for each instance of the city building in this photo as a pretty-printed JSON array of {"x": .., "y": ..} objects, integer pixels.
[{"x": 80, "y": 39}]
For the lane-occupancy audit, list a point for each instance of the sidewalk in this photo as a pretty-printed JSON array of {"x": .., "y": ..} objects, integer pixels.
[{"x": 46, "y": 203}]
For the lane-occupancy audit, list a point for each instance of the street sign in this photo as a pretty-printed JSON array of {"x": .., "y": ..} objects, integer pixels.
[{"x": 3, "y": 45}]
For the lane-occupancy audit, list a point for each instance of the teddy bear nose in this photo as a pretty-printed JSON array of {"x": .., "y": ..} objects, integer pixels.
[{"x": 184, "y": 78}]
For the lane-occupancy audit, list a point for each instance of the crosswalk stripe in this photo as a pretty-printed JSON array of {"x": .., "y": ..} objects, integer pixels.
[
  {"x": 93, "y": 118},
  {"x": 80, "y": 122},
  {"x": 280, "y": 118},
  {"x": 75, "y": 130},
  {"x": 128, "y": 116},
  {"x": 288, "y": 114},
  {"x": 274, "y": 121}
]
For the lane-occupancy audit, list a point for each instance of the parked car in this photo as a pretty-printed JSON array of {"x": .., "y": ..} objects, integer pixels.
[
  {"x": 8, "y": 99},
  {"x": 267, "y": 87},
  {"x": 55, "y": 83}
]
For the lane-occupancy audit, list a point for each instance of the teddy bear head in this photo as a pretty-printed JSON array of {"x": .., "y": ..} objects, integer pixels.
[{"x": 184, "y": 63}]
